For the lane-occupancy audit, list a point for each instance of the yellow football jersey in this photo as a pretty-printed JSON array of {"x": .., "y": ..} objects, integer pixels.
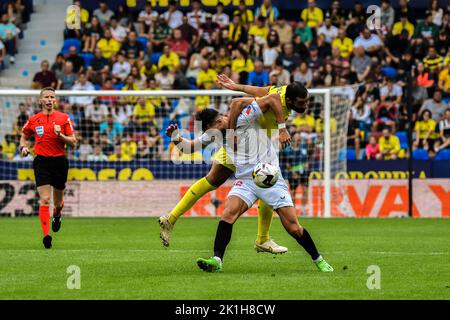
[{"x": 268, "y": 120}]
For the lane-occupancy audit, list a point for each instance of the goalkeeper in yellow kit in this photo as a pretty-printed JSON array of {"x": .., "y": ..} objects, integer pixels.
[{"x": 292, "y": 97}]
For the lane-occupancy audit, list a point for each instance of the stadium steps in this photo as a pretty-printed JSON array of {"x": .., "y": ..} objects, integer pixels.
[{"x": 43, "y": 40}]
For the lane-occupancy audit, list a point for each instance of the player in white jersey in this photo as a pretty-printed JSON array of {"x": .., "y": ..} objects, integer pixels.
[{"x": 247, "y": 147}]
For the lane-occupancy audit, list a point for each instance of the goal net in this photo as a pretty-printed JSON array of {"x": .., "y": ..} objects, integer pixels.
[{"x": 125, "y": 165}]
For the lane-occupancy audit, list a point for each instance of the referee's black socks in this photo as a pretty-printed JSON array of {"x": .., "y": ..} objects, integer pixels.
[
  {"x": 308, "y": 244},
  {"x": 223, "y": 237}
]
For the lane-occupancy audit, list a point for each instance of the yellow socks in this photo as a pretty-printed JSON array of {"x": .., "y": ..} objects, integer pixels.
[
  {"x": 192, "y": 195},
  {"x": 265, "y": 216}
]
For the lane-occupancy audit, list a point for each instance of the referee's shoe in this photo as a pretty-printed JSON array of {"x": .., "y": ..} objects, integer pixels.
[
  {"x": 56, "y": 220},
  {"x": 47, "y": 241}
]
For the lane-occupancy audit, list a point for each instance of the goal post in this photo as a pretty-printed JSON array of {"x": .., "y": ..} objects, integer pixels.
[{"x": 326, "y": 150}]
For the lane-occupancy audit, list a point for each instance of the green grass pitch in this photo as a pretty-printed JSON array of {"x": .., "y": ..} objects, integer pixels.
[{"x": 123, "y": 259}]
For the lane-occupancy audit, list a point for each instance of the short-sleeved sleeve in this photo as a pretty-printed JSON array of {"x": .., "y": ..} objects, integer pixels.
[
  {"x": 68, "y": 128},
  {"x": 27, "y": 129},
  {"x": 249, "y": 115}
]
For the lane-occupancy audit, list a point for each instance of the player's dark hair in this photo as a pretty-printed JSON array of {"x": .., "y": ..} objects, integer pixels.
[
  {"x": 207, "y": 117},
  {"x": 296, "y": 90}
]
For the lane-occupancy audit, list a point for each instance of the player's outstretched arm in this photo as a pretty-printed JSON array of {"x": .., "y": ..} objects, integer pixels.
[
  {"x": 225, "y": 82},
  {"x": 184, "y": 145}
]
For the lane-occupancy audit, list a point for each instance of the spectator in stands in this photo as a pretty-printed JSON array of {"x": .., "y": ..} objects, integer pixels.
[
  {"x": 98, "y": 68},
  {"x": 14, "y": 15},
  {"x": 444, "y": 132},
  {"x": 9, "y": 37},
  {"x": 433, "y": 62},
  {"x": 435, "y": 105},
  {"x": 300, "y": 47},
  {"x": 133, "y": 49},
  {"x": 164, "y": 78},
  {"x": 436, "y": 12},
  {"x": 82, "y": 84},
  {"x": 154, "y": 143},
  {"x": 328, "y": 29},
  {"x": 372, "y": 148},
  {"x": 245, "y": 14},
  {"x": 76, "y": 59},
  {"x": 2, "y": 154},
  {"x": 361, "y": 114},
  {"x": 67, "y": 78},
  {"x": 197, "y": 16},
  {"x": 289, "y": 59},
  {"x": 128, "y": 147},
  {"x": 425, "y": 127},
  {"x": 188, "y": 32},
  {"x": 111, "y": 128},
  {"x": 424, "y": 78},
  {"x": 444, "y": 80},
  {"x": 149, "y": 69},
  {"x": 143, "y": 151},
  {"x": 371, "y": 42},
  {"x": 108, "y": 45},
  {"x": 237, "y": 33},
  {"x": 103, "y": 13},
  {"x": 354, "y": 27},
  {"x": 341, "y": 65},
  {"x": 220, "y": 17},
  {"x": 267, "y": 11},
  {"x": 208, "y": 30},
  {"x": 106, "y": 144},
  {"x": 92, "y": 35},
  {"x": 159, "y": 35},
  {"x": 109, "y": 101},
  {"x": 389, "y": 146},
  {"x": 97, "y": 155},
  {"x": 146, "y": 18},
  {"x": 344, "y": 43},
  {"x": 95, "y": 113},
  {"x": 396, "y": 46},
  {"x": 173, "y": 16},
  {"x": 2, "y": 55},
  {"x": 180, "y": 47},
  {"x": 304, "y": 32},
  {"x": 258, "y": 77},
  {"x": 361, "y": 64},
  {"x": 387, "y": 14},
  {"x": 391, "y": 96},
  {"x": 169, "y": 59},
  {"x": 357, "y": 12},
  {"x": 403, "y": 8},
  {"x": 259, "y": 30},
  {"x": 284, "y": 31},
  {"x": 303, "y": 74},
  {"x": 207, "y": 76},
  {"x": 8, "y": 146},
  {"x": 313, "y": 16},
  {"x": 241, "y": 65},
  {"x": 22, "y": 118},
  {"x": 45, "y": 77},
  {"x": 143, "y": 114},
  {"x": 279, "y": 74},
  {"x": 85, "y": 149},
  {"x": 118, "y": 32},
  {"x": 121, "y": 69},
  {"x": 426, "y": 30},
  {"x": 403, "y": 24}
]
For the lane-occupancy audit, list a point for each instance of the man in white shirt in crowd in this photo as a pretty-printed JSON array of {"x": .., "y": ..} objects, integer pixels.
[
  {"x": 328, "y": 30},
  {"x": 197, "y": 16},
  {"x": 122, "y": 68},
  {"x": 371, "y": 43},
  {"x": 173, "y": 16},
  {"x": 146, "y": 18},
  {"x": 82, "y": 84}
]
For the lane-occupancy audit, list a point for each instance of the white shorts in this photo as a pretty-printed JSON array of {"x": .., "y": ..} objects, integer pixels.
[{"x": 276, "y": 197}]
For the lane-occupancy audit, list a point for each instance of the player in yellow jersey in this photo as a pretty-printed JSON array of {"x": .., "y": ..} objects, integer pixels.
[{"x": 292, "y": 97}]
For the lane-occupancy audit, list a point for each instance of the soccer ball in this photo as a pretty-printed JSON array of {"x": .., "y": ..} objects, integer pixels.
[{"x": 265, "y": 175}]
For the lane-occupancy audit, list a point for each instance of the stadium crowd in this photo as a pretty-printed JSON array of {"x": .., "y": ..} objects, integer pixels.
[{"x": 147, "y": 49}]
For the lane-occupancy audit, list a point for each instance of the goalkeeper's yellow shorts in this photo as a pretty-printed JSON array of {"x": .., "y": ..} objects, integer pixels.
[{"x": 222, "y": 158}]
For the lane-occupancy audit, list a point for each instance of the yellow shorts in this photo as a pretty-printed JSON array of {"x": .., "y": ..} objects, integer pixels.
[{"x": 221, "y": 157}]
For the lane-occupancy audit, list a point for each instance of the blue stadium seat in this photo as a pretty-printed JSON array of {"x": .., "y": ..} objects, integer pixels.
[
  {"x": 403, "y": 137},
  {"x": 118, "y": 86},
  {"x": 154, "y": 57},
  {"x": 97, "y": 86},
  {"x": 443, "y": 155},
  {"x": 420, "y": 154},
  {"x": 351, "y": 155},
  {"x": 143, "y": 41},
  {"x": 69, "y": 43},
  {"x": 87, "y": 57}
]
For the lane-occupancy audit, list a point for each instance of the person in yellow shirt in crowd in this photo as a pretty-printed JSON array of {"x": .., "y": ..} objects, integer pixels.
[
  {"x": 118, "y": 155},
  {"x": 304, "y": 123},
  {"x": 84, "y": 14},
  {"x": 312, "y": 15},
  {"x": 148, "y": 69},
  {"x": 344, "y": 43},
  {"x": 241, "y": 65},
  {"x": 403, "y": 24},
  {"x": 130, "y": 85},
  {"x": 144, "y": 112},
  {"x": 201, "y": 102},
  {"x": 108, "y": 45},
  {"x": 444, "y": 80},
  {"x": 267, "y": 11},
  {"x": 222, "y": 60},
  {"x": 425, "y": 131},
  {"x": 128, "y": 147},
  {"x": 206, "y": 77},
  {"x": 259, "y": 30},
  {"x": 389, "y": 146},
  {"x": 9, "y": 147},
  {"x": 237, "y": 32},
  {"x": 245, "y": 14},
  {"x": 169, "y": 59}
]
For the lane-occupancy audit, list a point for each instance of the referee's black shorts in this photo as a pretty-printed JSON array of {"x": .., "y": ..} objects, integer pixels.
[{"x": 51, "y": 170}]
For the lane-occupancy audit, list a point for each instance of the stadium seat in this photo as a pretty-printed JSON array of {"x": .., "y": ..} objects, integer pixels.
[
  {"x": 154, "y": 57},
  {"x": 351, "y": 155},
  {"x": 143, "y": 41},
  {"x": 403, "y": 137},
  {"x": 443, "y": 155},
  {"x": 118, "y": 86},
  {"x": 69, "y": 43},
  {"x": 420, "y": 154},
  {"x": 87, "y": 57}
]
